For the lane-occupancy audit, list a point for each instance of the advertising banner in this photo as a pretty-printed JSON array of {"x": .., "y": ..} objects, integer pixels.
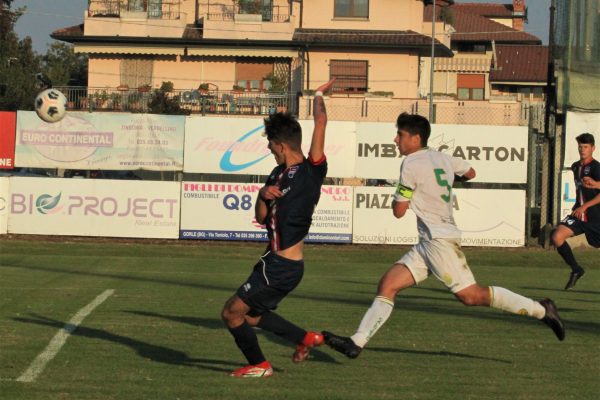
[
  {"x": 476, "y": 213},
  {"x": 4, "y": 191},
  {"x": 237, "y": 146},
  {"x": 8, "y": 124},
  {"x": 568, "y": 194},
  {"x": 225, "y": 211},
  {"x": 497, "y": 153},
  {"x": 113, "y": 141},
  {"x": 578, "y": 123},
  {"x": 94, "y": 207}
]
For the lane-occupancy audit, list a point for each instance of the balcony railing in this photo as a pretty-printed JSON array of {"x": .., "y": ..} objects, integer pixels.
[
  {"x": 223, "y": 12},
  {"x": 193, "y": 101},
  {"x": 152, "y": 9}
]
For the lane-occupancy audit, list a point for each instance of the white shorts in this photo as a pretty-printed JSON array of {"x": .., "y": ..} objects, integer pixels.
[{"x": 442, "y": 258}]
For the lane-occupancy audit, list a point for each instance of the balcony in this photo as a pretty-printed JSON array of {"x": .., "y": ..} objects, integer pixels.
[
  {"x": 241, "y": 11},
  {"x": 137, "y": 18},
  {"x": 225, "y": 102},
  {"x": 251, "y": 19},
  {"x": 147, "y": 9}
]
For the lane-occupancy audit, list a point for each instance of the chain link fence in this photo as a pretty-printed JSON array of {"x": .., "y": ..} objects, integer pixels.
[
  {"x": 444, "y": 112},
  {"x": 577, "y": 54}
]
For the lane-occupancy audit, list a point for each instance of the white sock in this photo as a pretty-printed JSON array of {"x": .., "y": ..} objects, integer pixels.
[
  {"x": 504, "y": 299},
  {"x": 373, "y": 319}
]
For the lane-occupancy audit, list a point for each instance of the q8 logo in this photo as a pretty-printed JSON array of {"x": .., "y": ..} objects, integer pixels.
[{"x": 233, "y": 202}]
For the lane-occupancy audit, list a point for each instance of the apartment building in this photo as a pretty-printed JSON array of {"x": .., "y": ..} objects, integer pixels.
[{"x": 255, "y": 45}]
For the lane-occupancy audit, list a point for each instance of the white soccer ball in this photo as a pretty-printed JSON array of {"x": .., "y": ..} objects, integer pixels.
[{"x": 51, "y": 105}]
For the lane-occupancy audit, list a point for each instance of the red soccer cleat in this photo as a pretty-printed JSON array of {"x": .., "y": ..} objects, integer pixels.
[
  {"x": 311, "y": 339},
  {"x": 262, "y": 370}
]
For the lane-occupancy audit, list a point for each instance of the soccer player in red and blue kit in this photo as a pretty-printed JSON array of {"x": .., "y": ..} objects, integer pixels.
[
  {"x": 285, "y": 204},
  {"x": 585, "y": 216}
]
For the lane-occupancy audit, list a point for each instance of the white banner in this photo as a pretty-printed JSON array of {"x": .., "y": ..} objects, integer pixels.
[
  {"x": 578, "y": 123},
  {"x": 225, "y": 211},
  {"x": 568, "y": 194},
  {"x": 497, "y": 153},
  {"x": 4, "y": 193},
  {"x": 114, "y": 141},
  {"x": 236, "y": 146},
  {"x": 476, "y": 212},
  {"x": 94, "y": 207}
]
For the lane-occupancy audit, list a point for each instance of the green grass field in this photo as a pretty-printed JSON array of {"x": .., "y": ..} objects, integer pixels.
[{"x": 160, "y": 336}]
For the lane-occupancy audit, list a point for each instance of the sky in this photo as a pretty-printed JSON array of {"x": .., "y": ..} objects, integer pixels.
[{"x": 44, "y": 16}]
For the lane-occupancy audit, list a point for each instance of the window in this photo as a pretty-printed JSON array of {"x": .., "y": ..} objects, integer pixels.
[
  {"x": 264, "y": 7},
  {"x": 251, "y": 75},
  {"x": 351, "y": 9},
  {"x": 352, "y": 76},
  {"x": 136, "y": 72},
  {"x": 470, "y": 86}
]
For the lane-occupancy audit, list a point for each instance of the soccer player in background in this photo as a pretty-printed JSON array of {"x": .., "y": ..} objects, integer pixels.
[
  {"x": 425, "y": 185},
  {"x": 585, "y": 216},
  {"x": 285, "y": 204}
]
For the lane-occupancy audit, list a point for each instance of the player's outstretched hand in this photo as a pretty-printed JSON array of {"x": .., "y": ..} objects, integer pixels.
[{"x": 326, "y": 86}]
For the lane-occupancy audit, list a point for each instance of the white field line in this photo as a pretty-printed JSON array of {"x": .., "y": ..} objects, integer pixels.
[{"x": 38, "y": 365}]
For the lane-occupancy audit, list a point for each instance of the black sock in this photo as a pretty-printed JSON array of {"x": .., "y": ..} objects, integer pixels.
[
  {"x": 246, "y": 340},
  {"x": 565, "y": 252},
  {"x": 274, "y": 323}
]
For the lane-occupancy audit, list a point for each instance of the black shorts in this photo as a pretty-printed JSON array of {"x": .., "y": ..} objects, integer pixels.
[
  {"x": 591, "y": 230},
  {"x": 271, "y": 280}
]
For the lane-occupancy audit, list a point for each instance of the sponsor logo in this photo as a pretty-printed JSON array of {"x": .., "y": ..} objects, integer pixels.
[
  {"x": 374, "y": 200},
  {"x": 247, "y": 286},
  {"x": 228, "y": 165},
  {"x": 477, "y": 153},
  {"x": 138, "y": 207},
  {"x": 46, "y": 204},
  {"x": 292, "y": 171}
]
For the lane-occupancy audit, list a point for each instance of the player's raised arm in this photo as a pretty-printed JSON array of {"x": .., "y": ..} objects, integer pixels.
[{"x": 317, "y": 145}]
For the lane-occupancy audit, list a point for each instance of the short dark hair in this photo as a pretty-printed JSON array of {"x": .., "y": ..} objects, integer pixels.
[
  {"x": 586, "y": 138},
  {"x": 284, "y": 128},
  {"x": 415, "y": 125}
]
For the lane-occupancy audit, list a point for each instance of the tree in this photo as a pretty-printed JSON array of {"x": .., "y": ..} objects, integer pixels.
[
  {"x": 18, "y": 63},
  {"x": 64, "y": 67}
]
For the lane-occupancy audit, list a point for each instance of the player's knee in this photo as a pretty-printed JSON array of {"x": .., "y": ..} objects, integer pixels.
[{"x": 556, "y": 238}]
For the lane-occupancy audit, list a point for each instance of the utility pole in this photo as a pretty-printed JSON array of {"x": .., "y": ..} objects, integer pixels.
[{"x": 432, "y": 65}]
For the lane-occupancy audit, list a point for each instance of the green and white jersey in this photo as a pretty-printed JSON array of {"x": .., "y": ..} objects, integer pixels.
[{"x": 426, "y": 178}]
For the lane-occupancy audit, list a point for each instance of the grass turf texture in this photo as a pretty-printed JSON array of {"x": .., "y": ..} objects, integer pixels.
[{"x": 160, "y": 335}]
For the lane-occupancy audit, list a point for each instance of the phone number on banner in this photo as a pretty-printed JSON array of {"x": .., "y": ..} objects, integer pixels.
[{"x": 260, "y": 236}]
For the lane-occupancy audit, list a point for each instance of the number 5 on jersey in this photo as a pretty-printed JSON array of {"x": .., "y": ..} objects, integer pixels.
[{"x": 439, "y": 172}]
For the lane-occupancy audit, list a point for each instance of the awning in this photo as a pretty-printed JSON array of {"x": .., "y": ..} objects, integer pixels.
[
  {"x": 240, "y": 52},
  {"x": 137, "y": 49}
]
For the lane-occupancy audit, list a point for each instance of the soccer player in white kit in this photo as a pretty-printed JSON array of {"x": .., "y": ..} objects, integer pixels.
[{"x": 425, "y": 185}]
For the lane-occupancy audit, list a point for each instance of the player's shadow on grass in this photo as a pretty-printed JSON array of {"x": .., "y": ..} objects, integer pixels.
[
  {"x": 437, "y": 353},
  {"x": 145, "y": 350},
  {"x": 560, "y": 290},
  {"x": 209, "y": 323},
  {"x": 315, "y": 355}
]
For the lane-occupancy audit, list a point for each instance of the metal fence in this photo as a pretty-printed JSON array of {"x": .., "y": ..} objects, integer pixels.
[
  {"x": 577, "y": 53},
  {"x": 227, "y": 11},
  {"x": 156, "y": 9},
  {"x": 445, "y": 112},
  {"x": 192, "y": 101}
]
